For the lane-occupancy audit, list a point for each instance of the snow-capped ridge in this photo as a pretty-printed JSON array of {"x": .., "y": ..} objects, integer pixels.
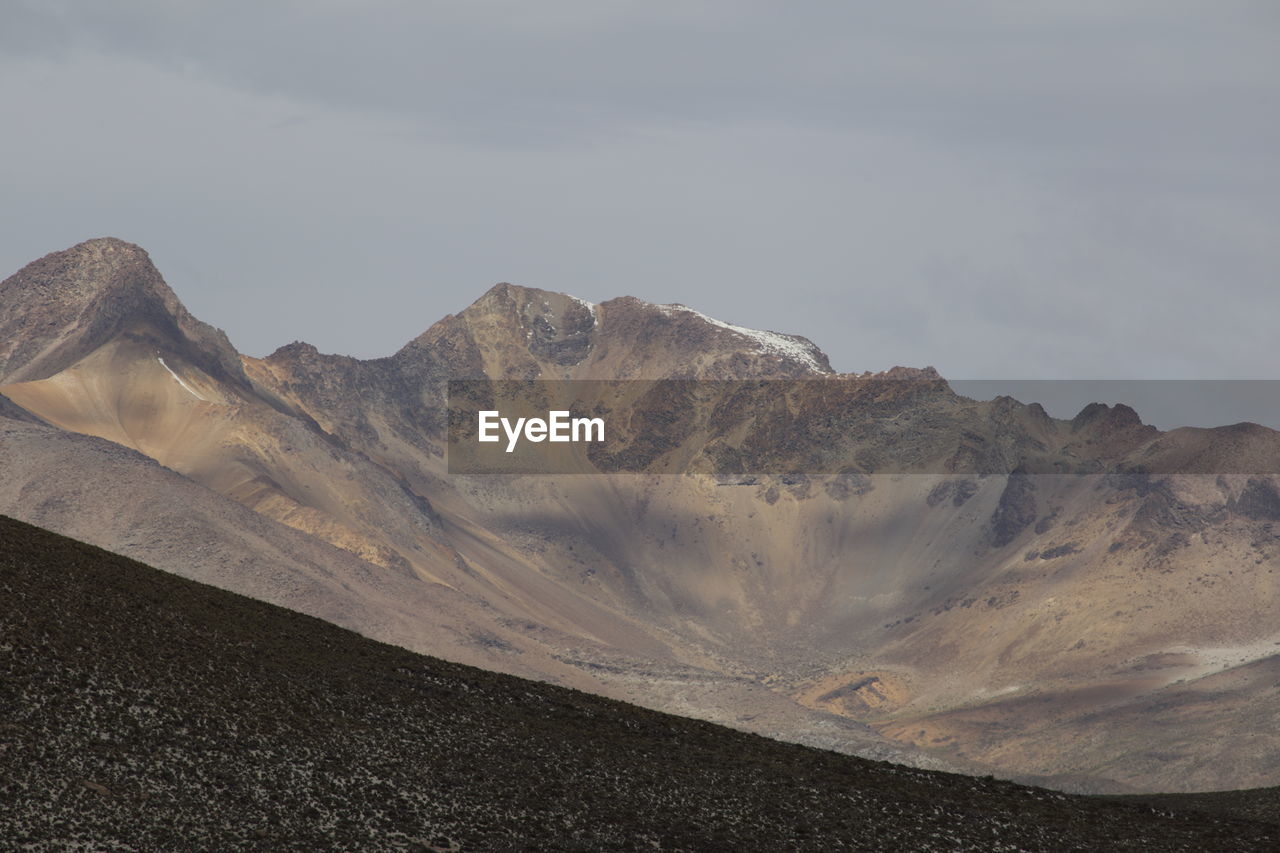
[{"x": 787, "y": 346}]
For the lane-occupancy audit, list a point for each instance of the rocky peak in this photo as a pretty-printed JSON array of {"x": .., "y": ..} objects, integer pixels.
[
  {"x": 295, "y": 350},
  {"x": 82, "y": 272},
  {"x": 65, "y": 305},
  {"x": 556, "y": 327},
  {"x": 646, "y": 340},
  {"x": 509, "y": 332},
  {"x": 525, "y": 332},
  {"x": 1106, "y": 419}
]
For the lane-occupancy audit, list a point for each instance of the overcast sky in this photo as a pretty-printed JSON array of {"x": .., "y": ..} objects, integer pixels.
[{"x": 997, "y": 188}]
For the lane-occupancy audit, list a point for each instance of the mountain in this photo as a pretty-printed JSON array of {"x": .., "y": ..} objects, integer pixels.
[
  {"x": 68, "y": 305},
  {"x": 373, "y": 556},
  {"x": 954, "y": 583},
  {"x": 146, "y": 711}
]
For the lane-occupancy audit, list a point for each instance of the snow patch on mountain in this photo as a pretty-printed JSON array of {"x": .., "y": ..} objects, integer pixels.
[
  {"x": 193, "y": 392},
  {"x": 786, "y": 346},
  {"x": 590, "y": 306}
]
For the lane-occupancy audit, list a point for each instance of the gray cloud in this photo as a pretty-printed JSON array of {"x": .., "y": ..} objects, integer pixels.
[{"x": 996, "y": 188}]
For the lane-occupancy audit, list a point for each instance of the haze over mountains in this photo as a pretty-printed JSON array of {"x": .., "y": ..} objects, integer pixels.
[{"x": 1085, "y": 601}]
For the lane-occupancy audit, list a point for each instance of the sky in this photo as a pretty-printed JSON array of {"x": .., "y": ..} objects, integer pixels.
[{"x": 1000, "y": 189}]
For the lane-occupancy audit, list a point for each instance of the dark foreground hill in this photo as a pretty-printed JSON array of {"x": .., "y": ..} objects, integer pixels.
[{"x": 142, "y": 711}]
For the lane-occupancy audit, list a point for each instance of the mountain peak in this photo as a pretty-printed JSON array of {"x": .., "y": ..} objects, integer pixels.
[
  {"x": 67, "y": 304},
  {"x": 510, "y": 331},
  {"x": 514, "y": 331},
  {"x": 791, "y": 348},
  {"x": 1107, "y": 418},
  {"x": 530, "y": 301},
  {"x": 85, "y": 270},
  {"x": 675, "y": 340}
]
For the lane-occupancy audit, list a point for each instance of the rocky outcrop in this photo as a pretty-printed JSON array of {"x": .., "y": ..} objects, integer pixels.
[{"x": 1016, "y": 510}]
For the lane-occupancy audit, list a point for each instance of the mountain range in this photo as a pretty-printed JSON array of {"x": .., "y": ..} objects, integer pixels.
[{"x": 964, "y": 585}]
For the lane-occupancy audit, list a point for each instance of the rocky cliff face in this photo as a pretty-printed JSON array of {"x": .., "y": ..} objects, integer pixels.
[{"x": 934, "y": 567}]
